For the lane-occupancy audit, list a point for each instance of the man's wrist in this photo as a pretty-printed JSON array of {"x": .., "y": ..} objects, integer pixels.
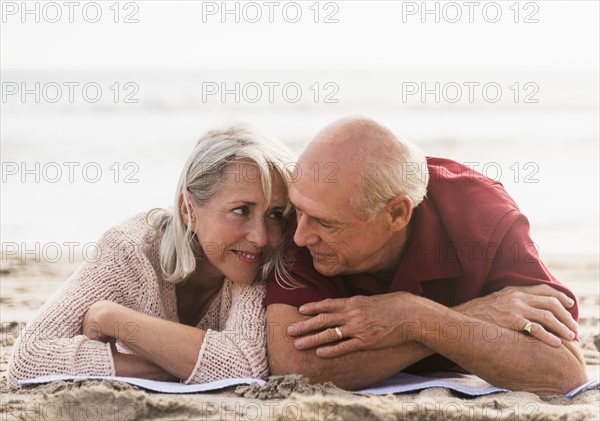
[{"x": 411, "y": 311}]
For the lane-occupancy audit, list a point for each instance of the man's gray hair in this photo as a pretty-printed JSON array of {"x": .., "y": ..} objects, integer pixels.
[{"x": 401, "y": 172}]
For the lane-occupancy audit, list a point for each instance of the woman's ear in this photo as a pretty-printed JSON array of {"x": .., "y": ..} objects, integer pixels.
[
  {"x": 186, "y": 210},
  {"x": 400, "y": 211}
]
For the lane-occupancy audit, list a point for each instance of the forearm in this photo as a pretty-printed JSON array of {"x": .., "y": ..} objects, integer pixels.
[
  {"x": 77, "y": 355},
  {"x": 172, "y": 346},
  {"x": 127, "y": 365},
  {"x": 351, "y": 371},
  {"x": 503, "y": 357}
]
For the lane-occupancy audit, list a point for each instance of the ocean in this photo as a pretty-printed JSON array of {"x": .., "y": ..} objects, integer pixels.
[{"x": 82, "y": 151}]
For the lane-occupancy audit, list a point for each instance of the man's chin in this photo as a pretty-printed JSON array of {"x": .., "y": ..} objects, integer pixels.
[{"x": 327, "y": 268}]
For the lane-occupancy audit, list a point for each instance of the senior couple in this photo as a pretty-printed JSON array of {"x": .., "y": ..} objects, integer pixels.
[{"x": 367, "y": 259}]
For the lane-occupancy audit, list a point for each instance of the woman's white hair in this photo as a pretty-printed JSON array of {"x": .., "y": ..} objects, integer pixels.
[
  {"x": 401, "y": 171},
  {"x": 201, "y": 177}
]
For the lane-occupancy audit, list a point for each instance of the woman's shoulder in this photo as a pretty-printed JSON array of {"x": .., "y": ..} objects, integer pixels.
[
  {"x": 136, "y": 230},
  {"x": 237, "y": 291},
  {"x": 132, "y": 235}
]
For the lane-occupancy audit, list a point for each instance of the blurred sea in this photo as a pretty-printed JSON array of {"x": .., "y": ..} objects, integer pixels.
[{"x": 546, "y": 153}]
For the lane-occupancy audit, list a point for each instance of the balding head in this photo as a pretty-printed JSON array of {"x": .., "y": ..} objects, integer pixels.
[
  {"x": 377, "y": 164},
  {"x": 351, "y": 142},
  {"x": 354, "y": 190}
]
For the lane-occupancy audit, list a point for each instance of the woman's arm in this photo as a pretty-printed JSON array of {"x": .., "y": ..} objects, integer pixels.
[
  {"x": 235, "y": 348},
  {"x": 53, "y": 341},
  {"x": 172, "y": 346},
  {"x": 128, "y": 365}
]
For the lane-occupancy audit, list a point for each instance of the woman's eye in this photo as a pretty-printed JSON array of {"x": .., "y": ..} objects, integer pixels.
[
  {"x": 277, "y": 215},
  {"x": 242, "y": 210}
]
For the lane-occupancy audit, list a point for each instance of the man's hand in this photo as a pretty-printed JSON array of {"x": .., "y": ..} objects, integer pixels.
[
  {"x": 364, "y": 323},
  {"x": 514, "y": 307},
  {"x": 382, "y": 321}
]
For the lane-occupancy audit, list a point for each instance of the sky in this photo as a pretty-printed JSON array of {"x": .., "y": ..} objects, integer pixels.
[{"x": 547, "y": 35}]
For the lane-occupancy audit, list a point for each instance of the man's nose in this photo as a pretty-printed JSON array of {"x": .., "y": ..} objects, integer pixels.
[{"x": 303, "y": 236}]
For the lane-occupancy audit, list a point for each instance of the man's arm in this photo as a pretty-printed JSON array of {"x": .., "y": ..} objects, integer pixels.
[
  {"x": 353, "y": 371},
  {"x": 363, "y": 319},
  {"x": 487, "y": 348},
  {"x": 499, "y": 355}
]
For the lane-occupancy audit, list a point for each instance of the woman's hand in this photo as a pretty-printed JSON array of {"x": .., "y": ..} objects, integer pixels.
[
  {"x": 98, "y": 322},
  {"x": 167, "y": 344}
]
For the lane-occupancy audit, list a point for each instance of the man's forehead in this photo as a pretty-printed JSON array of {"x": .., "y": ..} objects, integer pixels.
[
  {"x": 322, "y": 165},
  {"x": 320, "y": 203}
]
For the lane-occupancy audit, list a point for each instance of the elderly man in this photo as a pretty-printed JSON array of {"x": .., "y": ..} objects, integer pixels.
[{"x": 407, "y": 263}]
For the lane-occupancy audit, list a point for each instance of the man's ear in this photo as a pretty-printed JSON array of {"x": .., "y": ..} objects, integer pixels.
[
  {"x": 399, "y": 211},
  {"x": 187, "y": 212}
]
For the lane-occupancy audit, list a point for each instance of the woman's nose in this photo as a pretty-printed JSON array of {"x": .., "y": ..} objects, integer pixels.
[{"x": 258, "y": 233}]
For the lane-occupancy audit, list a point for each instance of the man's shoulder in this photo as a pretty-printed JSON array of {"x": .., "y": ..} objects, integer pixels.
[
  {"x": 471, "y": 206},
  {"x": 453, "y": 183},
  {"x": 443, "y": 170}
]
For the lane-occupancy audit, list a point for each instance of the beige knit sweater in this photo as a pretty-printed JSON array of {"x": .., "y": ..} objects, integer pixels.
[{"x": 126, "y": 270}]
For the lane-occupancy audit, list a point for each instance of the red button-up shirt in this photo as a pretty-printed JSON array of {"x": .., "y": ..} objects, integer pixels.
[{"x": 468, "y": 240}]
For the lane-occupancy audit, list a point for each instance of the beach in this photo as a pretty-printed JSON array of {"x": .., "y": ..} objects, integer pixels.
[
  {"x": 102, "y": 103},
  {"x": 27, "y": 284}
]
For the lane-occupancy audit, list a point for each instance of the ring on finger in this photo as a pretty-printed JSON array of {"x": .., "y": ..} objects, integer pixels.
[
  {"x": 338, "y": 332},
  {"x": 528, "y": 329}
]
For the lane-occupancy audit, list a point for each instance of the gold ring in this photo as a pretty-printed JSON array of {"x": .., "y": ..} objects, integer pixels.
[
  {"x": 528, "y": 328},
  {"x": 338, "y": 332}
]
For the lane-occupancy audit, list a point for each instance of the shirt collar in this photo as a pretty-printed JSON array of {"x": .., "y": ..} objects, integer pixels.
[{"x": 429, "y": 253}]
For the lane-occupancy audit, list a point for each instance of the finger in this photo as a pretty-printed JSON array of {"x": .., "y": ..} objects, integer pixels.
[
  {"x": 554, "y": 306},
  {"x": 540, "y": 333},
  {"x": 562, "y": 313},
  {"x": 326, "y": 306},
  {"x": 547, "y": 320},
  {"x": 546, "y": 337},
  {"x": 319, "y": 322},
  {"x": 321, "y": 338},
  {"x": 547, "y": 290},
  {"x": 339, "y": 349}
]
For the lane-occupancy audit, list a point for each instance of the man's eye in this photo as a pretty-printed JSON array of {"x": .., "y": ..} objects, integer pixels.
[
  {"x": 242, "y": 210},
  {"x": 323, "y": 224}
]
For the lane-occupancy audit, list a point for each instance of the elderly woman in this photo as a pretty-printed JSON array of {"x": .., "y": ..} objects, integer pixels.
[{"x": 175, "y": 295}]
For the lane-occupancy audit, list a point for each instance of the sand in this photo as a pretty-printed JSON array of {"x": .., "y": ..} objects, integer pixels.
[{"x": 25, "y": 285}]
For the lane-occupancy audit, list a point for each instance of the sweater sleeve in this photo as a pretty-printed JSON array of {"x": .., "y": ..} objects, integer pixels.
[
  {"x": 239, "y": 348},
  {"x": 53, "y": 341}
]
